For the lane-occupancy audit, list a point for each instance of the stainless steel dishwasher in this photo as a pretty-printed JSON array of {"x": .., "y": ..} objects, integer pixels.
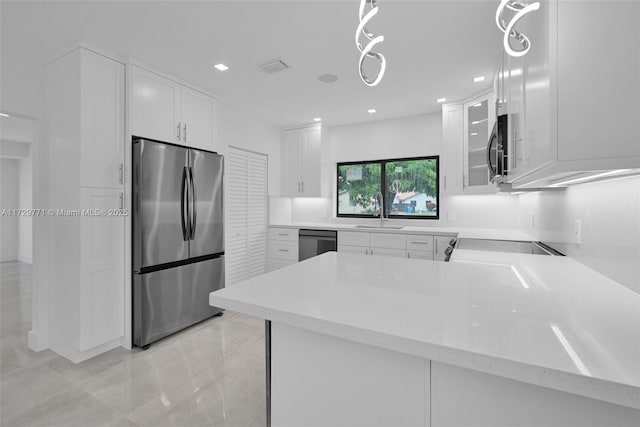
[{"x": 316, "y": 242}]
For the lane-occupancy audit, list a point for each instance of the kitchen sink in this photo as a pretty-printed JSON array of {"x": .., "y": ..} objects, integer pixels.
[{"x": 390, "y": 227}]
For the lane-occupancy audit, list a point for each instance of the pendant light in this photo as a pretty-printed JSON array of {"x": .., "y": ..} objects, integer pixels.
[
  {"x": 367, "y": 51},
  {"x": 521, "y": 8}
]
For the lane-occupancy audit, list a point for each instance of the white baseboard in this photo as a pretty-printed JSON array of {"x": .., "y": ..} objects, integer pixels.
[
  {"x": 37, "y": 340},
  {"x": 25, "y": 258}
]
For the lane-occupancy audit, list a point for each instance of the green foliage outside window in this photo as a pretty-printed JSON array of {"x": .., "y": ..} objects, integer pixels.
[{"x": 409, "y": 187}]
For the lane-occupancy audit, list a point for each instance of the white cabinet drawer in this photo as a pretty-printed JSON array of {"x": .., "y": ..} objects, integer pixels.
[
  {"x": 276, "y": 264},
  {"x": 419, "y": 243},
  {"x": 399, "y": 253},
  {"x": 363, "y": 250},
  {"x": 283, "y": 250},
  {"x": 290, "y": 234},
  {"x": 420, "y": 255},
  {"x": 391, "y": 241},
  {"x": 353, "y": 238}
]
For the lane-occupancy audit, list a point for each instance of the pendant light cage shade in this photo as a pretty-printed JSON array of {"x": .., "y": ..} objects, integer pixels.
[
  {"x": 367, "y": 51},
  {"x": 518, "y": 9}
]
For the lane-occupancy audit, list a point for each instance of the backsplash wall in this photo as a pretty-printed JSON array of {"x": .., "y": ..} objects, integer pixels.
[{"x": 609, "y": 212}]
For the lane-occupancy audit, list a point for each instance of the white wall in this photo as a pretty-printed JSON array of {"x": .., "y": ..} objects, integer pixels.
[
  {"x": 25, "y": 223},
  {"x": 610, "y": 216},
  {"x": 240, "y": 129},
  {"x": 9, "y": 199},
  {"x": 412, "y": 136}
]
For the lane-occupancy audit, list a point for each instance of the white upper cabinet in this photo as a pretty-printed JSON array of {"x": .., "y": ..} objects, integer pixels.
[
  {"x": 102, "y": 119},
  {"x": 451, "y": 153},
  {"x": 301, "y": 162},
  {"x": 466, "y": 127},
  {"x": 580, "y": 91},
  {"x": 165, "y": 110},
  {"x": 155, "y": 106},
  {"x": 479, "y": 118},
  {"x": 197, "y": 116}
]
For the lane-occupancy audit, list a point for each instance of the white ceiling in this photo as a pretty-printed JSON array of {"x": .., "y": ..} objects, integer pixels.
[{"x": 433, "y": 50}]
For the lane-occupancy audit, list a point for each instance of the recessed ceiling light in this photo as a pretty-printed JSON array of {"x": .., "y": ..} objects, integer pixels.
[
  {"x": 221, "y": 67},
  {"x": 317, "y": 119},
  {"x": 474, "y": 133},
  {"x": 478, "y": 79},
  {"x": 4, "y": 115},
  {"x": 441, "y": 100},
  {"x": 371, "y": 111}
]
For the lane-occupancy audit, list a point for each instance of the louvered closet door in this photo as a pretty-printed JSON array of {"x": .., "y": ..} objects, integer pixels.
[
  {"x": 236, "y": 250},
  {"x": 257, "y": 230},
  {"x": 246, "y": 252}
]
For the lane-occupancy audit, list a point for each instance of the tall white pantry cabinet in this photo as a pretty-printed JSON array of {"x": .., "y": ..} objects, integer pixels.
[{"x": 85, "y": 131}]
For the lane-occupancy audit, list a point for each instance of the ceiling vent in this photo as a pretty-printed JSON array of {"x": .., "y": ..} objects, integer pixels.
[{"x": 273, "y": 66}]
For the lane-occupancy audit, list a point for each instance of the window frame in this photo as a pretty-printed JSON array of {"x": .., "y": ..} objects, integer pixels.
[{"x": 383, "y": 176}]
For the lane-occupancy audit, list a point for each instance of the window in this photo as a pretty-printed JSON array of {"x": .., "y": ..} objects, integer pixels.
[{"x": 409, "y": 188}]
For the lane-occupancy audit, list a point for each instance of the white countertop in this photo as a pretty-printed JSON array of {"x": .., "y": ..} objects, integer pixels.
[
  {"x": 544, "y": 320},
  {"x": 470, "y": 233}
]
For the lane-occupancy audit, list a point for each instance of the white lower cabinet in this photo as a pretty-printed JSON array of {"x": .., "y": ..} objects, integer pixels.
[
  {"x": 362, "y": 250},
  {"x": 420, "y": 246},
  {"x": 102, "y": 273},
  {"x": 283, "y": 247},
  {"x": 377, "y": 244},
  {"x": 415, "y": 246},
  {"x": 390, "y": 245},
  {"x": 440, "y": 245}
]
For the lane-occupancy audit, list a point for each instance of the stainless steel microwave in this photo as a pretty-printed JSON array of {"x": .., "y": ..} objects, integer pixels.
[{"x": 498, "y": 149}]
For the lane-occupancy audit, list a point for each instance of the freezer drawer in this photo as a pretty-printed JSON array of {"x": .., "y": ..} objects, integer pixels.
[{"x": 167, "y": 301}]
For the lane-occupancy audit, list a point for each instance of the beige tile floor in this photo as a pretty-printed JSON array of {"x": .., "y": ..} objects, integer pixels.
[{"x": 209, "y": 375}]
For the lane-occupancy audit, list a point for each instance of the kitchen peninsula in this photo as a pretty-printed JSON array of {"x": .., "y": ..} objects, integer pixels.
[{"x": 357, "y": 340}]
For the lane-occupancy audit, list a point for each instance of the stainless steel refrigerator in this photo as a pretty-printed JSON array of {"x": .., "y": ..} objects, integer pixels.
[{"x": 178, "y": 237}]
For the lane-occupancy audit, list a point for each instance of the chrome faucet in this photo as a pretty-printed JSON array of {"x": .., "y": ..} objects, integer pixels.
[{"x": 380, "y": 202}]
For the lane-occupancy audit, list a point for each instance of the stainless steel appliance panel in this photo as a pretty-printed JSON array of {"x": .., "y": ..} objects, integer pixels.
[
  {"x": 159, "y": 196},
  {"x": 207, "y": 218},
  {"x": 315, "y": 242},
  {"x": 167, "y": 301}
]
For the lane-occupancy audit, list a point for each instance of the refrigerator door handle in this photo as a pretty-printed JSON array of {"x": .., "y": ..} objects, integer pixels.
[
  {"x": 184, "y": 203},
  {"x": 193, "y": 204}
]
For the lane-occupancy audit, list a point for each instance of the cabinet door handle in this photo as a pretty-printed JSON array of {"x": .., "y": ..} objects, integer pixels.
[
  {"x": 121, "y": 173},
  {"x": 366, "y": 251},
  {"x": 419, "y": 243},
  {"x": 303, "y": 186},
  {"x": 184, "y": 138},
  {"x": 282, "y": 234},
  {"x": 436, "y": 246},
  {"x": 371, "y": 252},
  {"x": 283, "y": 250},
  {"x": 122, "y": 201},
  {"x": 178, "y": 131}
]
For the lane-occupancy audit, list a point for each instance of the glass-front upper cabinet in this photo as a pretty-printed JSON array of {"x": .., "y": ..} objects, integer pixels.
[{"x": 479, "y": 118}]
